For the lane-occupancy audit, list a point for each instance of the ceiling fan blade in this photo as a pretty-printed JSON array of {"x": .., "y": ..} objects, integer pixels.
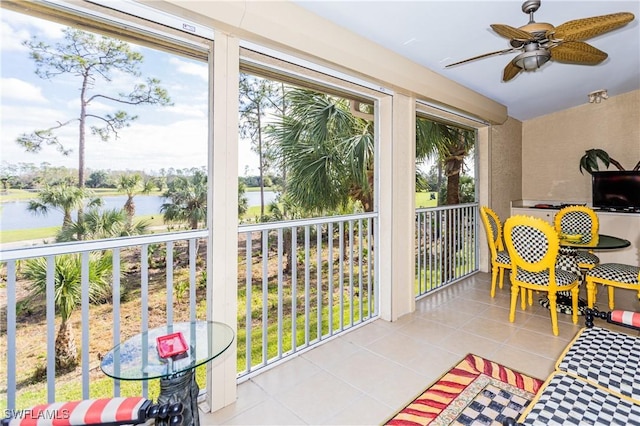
[
  {"x": 497, "y": 52},
  {"x": 510, "y": 71},
  {"x": 511, "y": 33},
  {"x": 577, "y": 52},
  {"x": 582, "y": 29}
]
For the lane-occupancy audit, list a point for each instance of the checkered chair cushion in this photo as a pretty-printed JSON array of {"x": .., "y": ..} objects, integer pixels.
[
  {"x": 586, "y": 258},
  {"x": 608, "y": 358},
  {"x": 542, "y": 278},
  {"x": 568, "y": 400},
  {"x": 627, "y": 274},
  {"x": 503, "y": 257}
]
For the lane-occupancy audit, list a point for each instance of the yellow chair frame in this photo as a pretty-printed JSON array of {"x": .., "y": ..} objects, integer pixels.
[
  {"x": 493, "y": 228},
  {"x": 540, "y": 260},
  {"x": 611, "y": 285},
  {"x": 595, "y": 225}
]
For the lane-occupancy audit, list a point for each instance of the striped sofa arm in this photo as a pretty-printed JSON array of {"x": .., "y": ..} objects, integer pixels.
[
  {"x": 94, "y": 412},
  {"x": 627, "y": 319}
]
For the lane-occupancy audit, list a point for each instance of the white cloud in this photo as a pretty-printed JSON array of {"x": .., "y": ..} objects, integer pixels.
[
  {"x": 13, "y": 88},
  {"x": 12, "y": 39},
  {"x": 190, "y": 68}
]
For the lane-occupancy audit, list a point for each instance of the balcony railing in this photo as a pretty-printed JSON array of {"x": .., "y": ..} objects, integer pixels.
[
  {"x": 446, "y": 246},
  {"x": 299, "y": 283},
  {"x": 134, "y": 258},
  {"x": 304, "y": 281}
]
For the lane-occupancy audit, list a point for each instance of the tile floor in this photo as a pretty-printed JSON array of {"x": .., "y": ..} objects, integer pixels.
[{"x": 367, "y": 375}]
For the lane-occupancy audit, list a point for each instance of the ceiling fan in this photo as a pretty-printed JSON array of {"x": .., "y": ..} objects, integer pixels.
[{"x": 539, "y": 41}]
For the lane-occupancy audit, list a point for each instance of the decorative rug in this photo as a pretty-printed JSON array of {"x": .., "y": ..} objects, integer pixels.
[{"x": 476, "y": 391}]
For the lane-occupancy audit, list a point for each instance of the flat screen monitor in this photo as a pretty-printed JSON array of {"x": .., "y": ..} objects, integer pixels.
[{"x": 618, "y": 190}]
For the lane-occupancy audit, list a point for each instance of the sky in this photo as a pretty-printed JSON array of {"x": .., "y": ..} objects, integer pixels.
[{"x": 162, "y": 137}]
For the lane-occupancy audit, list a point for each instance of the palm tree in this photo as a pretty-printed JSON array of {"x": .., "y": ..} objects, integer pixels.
[
  {"x": 326, "y": 151},
  {"x": 68, "y": 293},
  {"x": 131, "y": 185},
  {"x": 451, "y": 145},
  {"x": 98, "y": 224},
  {"x": 188, "y": 199},
  {"x": 62, "y": 197}
]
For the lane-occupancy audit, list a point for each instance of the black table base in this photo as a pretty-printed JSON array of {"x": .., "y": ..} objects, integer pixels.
[{"x": 181, "y": 388}]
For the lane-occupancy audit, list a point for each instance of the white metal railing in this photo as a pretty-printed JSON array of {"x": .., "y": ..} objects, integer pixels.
[
  {"x": 446, "y": 246},
  {"x": 178, "y": 250},
  {"x": 304, "y": 282}
]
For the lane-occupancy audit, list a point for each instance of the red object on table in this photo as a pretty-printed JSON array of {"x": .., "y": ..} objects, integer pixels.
[{"x": 171, "y": 345}]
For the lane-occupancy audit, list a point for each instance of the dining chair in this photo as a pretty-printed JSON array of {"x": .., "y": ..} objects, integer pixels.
[
  {"x": 533, "y": 247},
  {"x": 612, "y": 275},
  {"x": 500, "y": 260},
  {"x": 582, "y": 220}
]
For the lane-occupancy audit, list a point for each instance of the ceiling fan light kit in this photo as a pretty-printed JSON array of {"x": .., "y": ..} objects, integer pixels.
[
  {"x": 532, "y": 58},
  {"x": 541, "y": 42}
]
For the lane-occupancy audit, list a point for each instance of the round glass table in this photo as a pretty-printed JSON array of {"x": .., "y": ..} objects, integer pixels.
[{"x": 139, "y": 358}]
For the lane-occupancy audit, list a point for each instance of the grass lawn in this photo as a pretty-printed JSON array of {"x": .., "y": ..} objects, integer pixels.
[
  {"x": 45, "y": 233},
  {"x": 426, "y": 199}
]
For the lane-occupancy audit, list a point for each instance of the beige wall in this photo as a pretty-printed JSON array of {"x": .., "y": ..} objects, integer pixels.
[
  {"x": 553, "y": 144},
  {"x": 505, "y": 166}
]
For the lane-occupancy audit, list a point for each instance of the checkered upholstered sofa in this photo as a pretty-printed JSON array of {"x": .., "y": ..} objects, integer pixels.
[{"x": 596, "y": 380}]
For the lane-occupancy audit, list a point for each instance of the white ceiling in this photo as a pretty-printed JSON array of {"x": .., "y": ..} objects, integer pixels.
[{"x": 437, "y": 33}]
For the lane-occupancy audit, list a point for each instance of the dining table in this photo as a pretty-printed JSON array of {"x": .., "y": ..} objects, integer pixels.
[{"x": 567, "y": 261}]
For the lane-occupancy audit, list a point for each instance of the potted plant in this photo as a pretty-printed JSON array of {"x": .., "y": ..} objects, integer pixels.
[{"x": 589, "y": 161}]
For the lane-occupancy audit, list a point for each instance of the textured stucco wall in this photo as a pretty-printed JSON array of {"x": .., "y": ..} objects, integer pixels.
[
  {"x": 553, "y": 144},
  {"x": 505, "y": 164}
]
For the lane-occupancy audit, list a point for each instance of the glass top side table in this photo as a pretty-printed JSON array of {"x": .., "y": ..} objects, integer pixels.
[{"x": 138, "y": 359}]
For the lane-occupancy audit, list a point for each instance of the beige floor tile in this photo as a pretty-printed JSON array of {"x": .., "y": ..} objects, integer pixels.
[
  {"x": 540, "y": 343},
  {"x": 286, "y": 375},
  {"x": 399, "y": 347},
  {"x": 268, "y": 412},
  {"x": 523, "y": 361},
  {"x": 332, "y": 352},
  {"x": 498, "y": 331},
  {"x": 248, "y": 395},
  {"x": 427, "y": 331},
  {"x": 320, "y": 395},
  {"x": 364, "y": 368},
  {"x": 463, "y": 343},
  {"x": 398, "y": 389},
  {"x": 367, "y": 375},
  {"x": 363, "y": 411}
]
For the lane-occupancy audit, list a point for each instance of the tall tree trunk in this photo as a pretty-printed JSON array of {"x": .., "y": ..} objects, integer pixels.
[
  {"x": 66, "y": 349},
  {"x": 130, "y": 209}
]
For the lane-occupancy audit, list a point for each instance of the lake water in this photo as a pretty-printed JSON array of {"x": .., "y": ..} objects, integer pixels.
[{"x": 14, "y": 215}]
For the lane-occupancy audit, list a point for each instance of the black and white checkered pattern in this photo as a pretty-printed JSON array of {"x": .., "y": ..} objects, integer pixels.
[
  {"x": 566, "y": 400},
  {"x": 503, "y": 257},
  {"x": 609, "y": 358},
  {"x": 576, "y": 222},
  {"x": 530, "y": 243},
  {"x": 542, "y": 278},
  {"x": 627, "y": 274},
  {"x": 585, "y": 258},
  {"x": 492, "y": 405}
]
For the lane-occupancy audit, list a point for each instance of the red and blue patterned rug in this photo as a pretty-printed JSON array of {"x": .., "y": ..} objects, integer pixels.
[{"x": 475, "y": 391}]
